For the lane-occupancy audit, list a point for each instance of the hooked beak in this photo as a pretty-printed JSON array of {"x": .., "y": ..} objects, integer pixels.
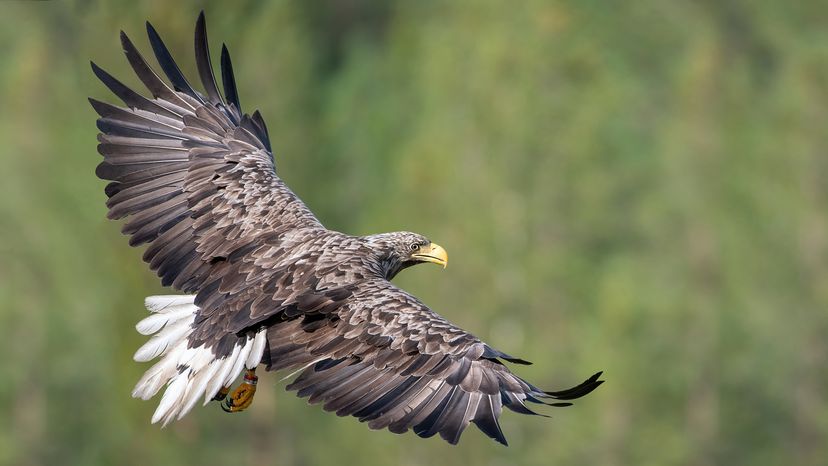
[{"x": 432, "y": 253}]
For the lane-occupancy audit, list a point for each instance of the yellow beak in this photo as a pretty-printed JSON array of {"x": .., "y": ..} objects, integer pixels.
[{"x": 432, "y": 253}]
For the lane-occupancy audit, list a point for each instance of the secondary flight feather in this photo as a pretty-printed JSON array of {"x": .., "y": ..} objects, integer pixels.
[{"x": 264, "y": 282}]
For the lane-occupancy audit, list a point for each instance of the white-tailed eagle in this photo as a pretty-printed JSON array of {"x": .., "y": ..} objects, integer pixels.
[{"x": 266, "y": 283}]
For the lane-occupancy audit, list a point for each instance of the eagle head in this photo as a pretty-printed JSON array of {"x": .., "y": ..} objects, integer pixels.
[{"x": 399, "y": 250}]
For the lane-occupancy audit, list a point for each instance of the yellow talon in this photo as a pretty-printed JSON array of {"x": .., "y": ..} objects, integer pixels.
[{"x": 242, "y": 396}]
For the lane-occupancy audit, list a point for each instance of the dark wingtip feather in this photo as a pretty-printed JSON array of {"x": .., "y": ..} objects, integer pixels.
[
  {"x": 486, "y": 420},
  {"x": 205, "y": 67},
  {"x": 496, "y": 435},
  {"x": 152, "y": 81},
  {"x": 99, "y": 72},
  {"x": 259, "y": 121},
  {"x": 102, "y": 75},
  {"x": 513, "y": 403},
  {"x": 518, "y": 361},
  {"x": 491, "y": 353},
  {"x": 168, "y": 65},
  {"x": 578, "y": 391},
  {"x": 227, "y": 79},
  {"x": 109, "y": 81},
  {"x": 97, "y": 105},
  {"x": 126, "y": 42},
  {"x": 127, "y": 95}
]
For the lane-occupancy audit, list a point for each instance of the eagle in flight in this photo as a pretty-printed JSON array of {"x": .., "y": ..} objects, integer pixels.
[{"x": 265, "y": 282}]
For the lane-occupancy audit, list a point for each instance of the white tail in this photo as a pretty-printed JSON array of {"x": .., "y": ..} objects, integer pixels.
[{"x": 189, "y": 373}]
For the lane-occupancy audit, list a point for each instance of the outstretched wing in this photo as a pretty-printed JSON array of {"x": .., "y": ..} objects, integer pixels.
[
  {"x": 387, "y": 359},
  {"x": 195, "y": 176}
]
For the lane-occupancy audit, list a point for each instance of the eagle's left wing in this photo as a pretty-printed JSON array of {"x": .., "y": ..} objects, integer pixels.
[{"x": 386, "y": 358}]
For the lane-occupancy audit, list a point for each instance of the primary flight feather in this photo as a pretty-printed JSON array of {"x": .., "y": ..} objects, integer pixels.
[{"x": 267, "y": 283}]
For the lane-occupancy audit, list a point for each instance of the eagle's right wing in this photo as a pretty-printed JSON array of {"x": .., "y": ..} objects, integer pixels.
[
  {"x": 196, "y": 180},
  {"x": 192, "y": 173}
]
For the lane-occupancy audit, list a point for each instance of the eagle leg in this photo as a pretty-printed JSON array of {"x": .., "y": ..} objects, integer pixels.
[
  {"x": 242, "y": 397},
  {"x": 222, "y": 394}
]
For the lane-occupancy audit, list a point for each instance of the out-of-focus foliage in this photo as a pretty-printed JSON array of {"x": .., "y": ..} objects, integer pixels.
[{"x": 638, "y": 187}]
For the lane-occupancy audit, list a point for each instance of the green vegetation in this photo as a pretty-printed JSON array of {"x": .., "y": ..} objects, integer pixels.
[{"x": 636, "y": 187}]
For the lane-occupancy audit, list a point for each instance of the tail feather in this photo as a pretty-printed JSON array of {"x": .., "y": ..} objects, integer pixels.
[
  {"x": 165, "y": 303},
  {"x": 156, "y": 322},
  {"x": 188, "y": 373},
  {"x": 166, "y": 340}
]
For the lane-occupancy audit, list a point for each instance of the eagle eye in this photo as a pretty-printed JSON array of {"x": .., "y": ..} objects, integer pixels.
[{"x": 414, "y": 246}]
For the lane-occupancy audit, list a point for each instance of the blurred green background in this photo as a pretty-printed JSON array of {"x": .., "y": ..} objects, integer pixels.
[{"x": 638, "y": 187}]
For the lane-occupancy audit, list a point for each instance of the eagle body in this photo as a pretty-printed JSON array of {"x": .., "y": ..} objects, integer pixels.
[{"x": 264, "y": 282}]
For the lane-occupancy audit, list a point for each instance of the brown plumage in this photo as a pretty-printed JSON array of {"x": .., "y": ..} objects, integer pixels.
[{"x": 194, "y": 177}]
